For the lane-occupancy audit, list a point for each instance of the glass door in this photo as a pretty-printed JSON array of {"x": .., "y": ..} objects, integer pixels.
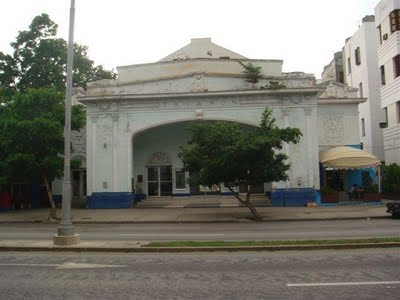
[
  {"x": 159, "y": 180},
  {"x": 152, "y": 181},
  {"x": 165, "y": 180}
]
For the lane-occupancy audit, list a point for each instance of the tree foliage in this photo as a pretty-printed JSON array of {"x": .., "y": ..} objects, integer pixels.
[
  {"x": 39, "y": 60},
  {"x": 32, "y": 140},
  {"x": 224, "y": 152},
  {"x": 252, "y": 73},
  {"x": 32, "y": 87},
  {"x": 391, "y": 178}
]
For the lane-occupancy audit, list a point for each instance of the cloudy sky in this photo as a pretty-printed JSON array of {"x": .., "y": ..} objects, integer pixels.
[{"x": 305, "y": 34}]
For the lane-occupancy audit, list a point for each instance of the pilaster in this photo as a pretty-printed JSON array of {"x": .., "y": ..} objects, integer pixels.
[{"x": 310, "y": 144}]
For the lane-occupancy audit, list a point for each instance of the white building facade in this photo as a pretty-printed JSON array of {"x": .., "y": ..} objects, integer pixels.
[
  {"x": 136, "y": 123},
  {"x": 360, "y": 60},
  {"x": 388, "y": 23}
]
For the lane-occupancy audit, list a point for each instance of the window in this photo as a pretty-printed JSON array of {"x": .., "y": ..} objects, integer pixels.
[
  {"x": 180, "y": 180},
  {"x": 396, "y": 64},
  {"x": 398, "y": 111},
  {"x": 341, "y": 77},
  {"x": 348, "y": 66},
  {"x": 380, "y": 34},
  {"x": 384, "y": 124},
  {"x": 360, "y": 90},
  {"x": 357, "y": 56},
  {"x": 383, "y": 78},
  {"x": 395, "y": 20},
  {"x": 362, "y": 127}
]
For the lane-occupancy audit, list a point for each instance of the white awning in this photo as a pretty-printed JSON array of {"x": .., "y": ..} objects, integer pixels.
[{"x": 348, "y": 158}]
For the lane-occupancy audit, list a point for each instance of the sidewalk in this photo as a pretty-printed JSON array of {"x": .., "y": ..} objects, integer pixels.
[
  {"x": 199, "y": 215},
  {"x": 189, "y": 215}
]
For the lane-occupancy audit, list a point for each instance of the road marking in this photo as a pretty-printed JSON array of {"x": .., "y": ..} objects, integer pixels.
[
  {"x": 65, "y": 266},
  {"x": 29, "y": 265},
  {"x": 172, "y": 234},
  {"x": 342, "y": 283}
]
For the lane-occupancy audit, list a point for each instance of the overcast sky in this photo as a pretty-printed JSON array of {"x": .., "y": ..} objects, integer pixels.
[{"x": 305, "y": 33}]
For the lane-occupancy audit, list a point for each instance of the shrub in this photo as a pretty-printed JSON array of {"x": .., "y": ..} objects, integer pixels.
[{"x": 391, "y": 178}]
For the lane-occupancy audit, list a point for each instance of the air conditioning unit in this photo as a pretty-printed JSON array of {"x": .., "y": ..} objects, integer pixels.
[{"x": 385, "y": 36}]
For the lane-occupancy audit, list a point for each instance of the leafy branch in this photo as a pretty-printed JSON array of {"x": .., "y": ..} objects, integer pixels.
[{"x": 252, "y": 73}]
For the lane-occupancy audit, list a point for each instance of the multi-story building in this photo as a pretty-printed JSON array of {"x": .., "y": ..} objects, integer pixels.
[
  {"x": 388, "y": 23},
  {"x": 361, "y": 71},
  {"x": 334, "y": 70}
]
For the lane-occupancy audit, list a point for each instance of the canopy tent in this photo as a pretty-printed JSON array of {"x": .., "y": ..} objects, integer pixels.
[{"x": 349, "y": 158}]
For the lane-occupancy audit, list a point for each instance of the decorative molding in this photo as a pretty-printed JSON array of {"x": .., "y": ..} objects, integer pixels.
[
  {"x": 128, "y": 126},
  {"x": 115, "y": 117},
  {"x": 198, "y": 84},
  {"x": 297, "y": 99},
  {"x": 104, "y": 106},
  {"x": 78, "y": 141},
  {"x": 94, "y": 118},
  {"x": 286, "y": 111},
  {"x": 159, "y": 158},
  {"x": 333, "y": 130},
  {"x": 308, "y": 110},
  {"x": 199, "y": 114}
]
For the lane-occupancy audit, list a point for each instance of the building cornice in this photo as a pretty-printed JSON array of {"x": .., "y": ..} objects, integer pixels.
[
  {"x": 311, "y": 92},
  {"x": 326, "y": 101},
  {"x": 179, "y": 61}
]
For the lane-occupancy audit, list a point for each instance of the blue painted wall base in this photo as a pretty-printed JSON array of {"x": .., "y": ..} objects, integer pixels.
[
  {"x": 292, "y": 197},
  {"x": 110, "y": 200}
]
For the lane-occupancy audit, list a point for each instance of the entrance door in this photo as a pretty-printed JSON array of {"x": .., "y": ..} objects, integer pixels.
[
  {"x": 79, "y": 184},
  {"x": 159, "y": 180}
]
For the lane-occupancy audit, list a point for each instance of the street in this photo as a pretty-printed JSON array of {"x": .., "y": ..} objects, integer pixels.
[
  {"x": 360, "y": 274},
  {"x": 333, "y": 229}
]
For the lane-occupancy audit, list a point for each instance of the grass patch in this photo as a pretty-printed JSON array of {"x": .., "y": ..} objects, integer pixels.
[{"x": 272, "y": 243}]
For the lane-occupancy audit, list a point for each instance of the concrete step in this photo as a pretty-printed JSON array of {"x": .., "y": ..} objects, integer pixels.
[{"x": 200, "y": 202}]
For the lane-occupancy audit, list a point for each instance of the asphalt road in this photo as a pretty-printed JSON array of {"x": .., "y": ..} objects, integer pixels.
[
  {"x": 361, "y": 274},
  {"x": 216, "y": 231}
]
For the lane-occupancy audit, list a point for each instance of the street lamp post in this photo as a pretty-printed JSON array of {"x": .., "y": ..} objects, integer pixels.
[{"x": 66, "y": 232}]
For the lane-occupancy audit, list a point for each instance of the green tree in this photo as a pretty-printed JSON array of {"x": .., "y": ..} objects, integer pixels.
[
  {"x": 32, "y": 86},
  {"x": 32, "y": 140},
  {"x": 391, "y": 178},
  {"x": 223, "y": 152},
  {"x": 252, "y": 73},
  {"x": 39, "y": 61}
]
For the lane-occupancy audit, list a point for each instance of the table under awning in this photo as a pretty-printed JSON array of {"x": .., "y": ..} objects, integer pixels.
[{"x": 349, "y": 158}]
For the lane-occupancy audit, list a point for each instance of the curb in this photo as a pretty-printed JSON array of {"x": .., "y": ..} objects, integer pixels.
[
  {"x": 83, "y": 222},
  {"x": 200, "y": 249}
]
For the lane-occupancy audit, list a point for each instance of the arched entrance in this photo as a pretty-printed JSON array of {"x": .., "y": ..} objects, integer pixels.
[{"x": 157, "y": 169}]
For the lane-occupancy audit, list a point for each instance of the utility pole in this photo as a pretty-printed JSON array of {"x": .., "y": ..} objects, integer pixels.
[{"x": 66, "y": 232}]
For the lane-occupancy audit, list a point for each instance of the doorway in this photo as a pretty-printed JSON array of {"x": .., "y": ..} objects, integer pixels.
[{"x": 159, "y": 180}]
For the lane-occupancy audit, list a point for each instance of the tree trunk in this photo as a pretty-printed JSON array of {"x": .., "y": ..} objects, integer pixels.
[
  {"x": 53, "y": 210},
  {"x": 247, "y": 202}
]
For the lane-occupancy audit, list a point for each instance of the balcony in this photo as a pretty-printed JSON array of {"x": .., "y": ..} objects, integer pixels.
[
  {"x": 389, "y": 48},
  {"x": 390, "y": 93}
]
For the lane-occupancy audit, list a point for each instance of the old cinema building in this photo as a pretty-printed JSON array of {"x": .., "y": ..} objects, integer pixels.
[{"x": 136, "y": 123}]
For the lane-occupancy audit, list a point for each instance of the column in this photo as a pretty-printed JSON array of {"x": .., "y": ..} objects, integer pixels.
[
  {"x": 310, "y": 144},
  {"x": 92, "y": 160},
  {"x": 115, "y": 118}
]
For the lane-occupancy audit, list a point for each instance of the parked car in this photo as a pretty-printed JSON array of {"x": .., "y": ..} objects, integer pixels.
[{"x": 393, "y": 208}]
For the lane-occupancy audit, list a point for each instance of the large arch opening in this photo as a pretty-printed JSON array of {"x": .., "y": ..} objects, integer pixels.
[{"x": 157, "y": 169}]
